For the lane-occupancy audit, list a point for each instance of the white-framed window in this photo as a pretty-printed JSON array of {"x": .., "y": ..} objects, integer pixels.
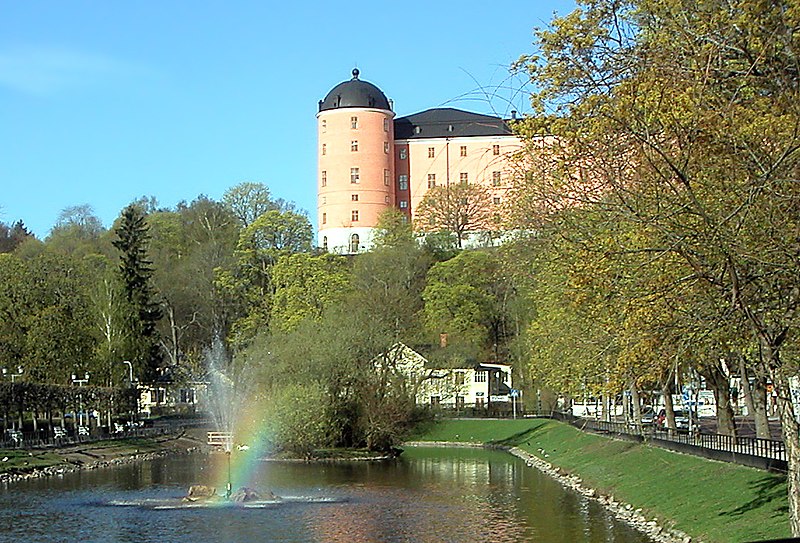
[
  {"x": 324, "y": 180},
  {"x": 354, "y": 197},
  {"x": 431, "y": 152},
  {"x": 403, "y": 153},
  {"x": 463, "y": 177},
  {"x": 386, "y": 125},
  {"x": 496, "y": 179},
  {"x": 480, "y": 377},
  {"x": 402, "y": 182},
  {"x": 495, "y": 150},
  {"x": 403, "y": 204},
  {"x": 354, "y": 175},
  {"x": 354, "y": 215},
  {"x": 354, "y": 145},
  {"x": 387, "y": 178},
  {"x": 354, "y": 123},
  {"x": 463, "y": 150},
  {"x": 431, "y": 180},
  {"x": 354, "y": 243}
]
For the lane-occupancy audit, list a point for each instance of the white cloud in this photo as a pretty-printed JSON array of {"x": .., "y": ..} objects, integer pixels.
[{"x": 49, "y": 70}]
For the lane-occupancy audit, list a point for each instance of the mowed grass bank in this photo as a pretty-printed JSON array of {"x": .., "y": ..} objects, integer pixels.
[{"x": 714, "y": 501}]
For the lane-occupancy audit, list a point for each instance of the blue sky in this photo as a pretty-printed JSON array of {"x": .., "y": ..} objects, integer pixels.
[{"x": 104, "y": 102}]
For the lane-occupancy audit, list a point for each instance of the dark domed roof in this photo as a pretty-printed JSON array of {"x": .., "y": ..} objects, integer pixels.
[{"x": 355, "y": 93}]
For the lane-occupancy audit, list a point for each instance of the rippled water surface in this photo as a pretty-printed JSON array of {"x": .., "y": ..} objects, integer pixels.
[{"x": 428, "y": 495}]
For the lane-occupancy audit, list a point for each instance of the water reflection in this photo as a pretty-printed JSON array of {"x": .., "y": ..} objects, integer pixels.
[{"x": 428, "y": 495}]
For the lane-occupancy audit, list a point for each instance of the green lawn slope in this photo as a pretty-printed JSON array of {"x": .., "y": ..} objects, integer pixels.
[{"x": 717, "y": 502}]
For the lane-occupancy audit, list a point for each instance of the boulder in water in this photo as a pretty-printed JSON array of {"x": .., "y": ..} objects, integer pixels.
[
  {"x": 201, "y": 493},
  {"x": 244, "y": 495}
]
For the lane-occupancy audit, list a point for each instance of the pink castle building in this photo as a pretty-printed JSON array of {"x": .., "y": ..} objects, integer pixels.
[{"x": 370, "y": 161}]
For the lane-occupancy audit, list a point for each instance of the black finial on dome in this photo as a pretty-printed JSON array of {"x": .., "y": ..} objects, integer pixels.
[{"x": 355, "y": 73}]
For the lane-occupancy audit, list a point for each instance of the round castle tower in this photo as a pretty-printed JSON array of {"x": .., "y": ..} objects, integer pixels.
[{"x": 355, "y": 127}]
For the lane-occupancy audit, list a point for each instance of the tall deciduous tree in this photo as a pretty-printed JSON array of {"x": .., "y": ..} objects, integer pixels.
[
  {"x": 461, "y": 209},
  {"x": 685, "y": 118}
]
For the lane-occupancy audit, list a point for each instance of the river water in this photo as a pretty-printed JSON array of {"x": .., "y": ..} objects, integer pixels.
[{"x": 427, "y": 495}]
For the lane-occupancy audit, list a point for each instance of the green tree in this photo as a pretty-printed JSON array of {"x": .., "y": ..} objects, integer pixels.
[
  {"x": 684, "y": 119},
  {"x": 248, "y": 201},
  {"x": 306, "y": 285},
  {"x": 136, "y": 272}
]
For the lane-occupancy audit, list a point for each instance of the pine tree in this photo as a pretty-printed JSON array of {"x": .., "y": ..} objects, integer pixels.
[{"x": 136, "y": 272}]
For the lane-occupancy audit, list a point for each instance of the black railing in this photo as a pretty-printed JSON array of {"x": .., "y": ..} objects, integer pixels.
[{"x": 752, "y": 451}]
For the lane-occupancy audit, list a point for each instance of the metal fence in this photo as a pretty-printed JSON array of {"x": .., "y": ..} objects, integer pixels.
[
  {"x": 58, "y": 436},
  {"x": 752, "y": 451}
]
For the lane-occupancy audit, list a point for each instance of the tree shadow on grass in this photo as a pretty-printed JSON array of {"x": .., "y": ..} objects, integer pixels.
[
  {"x": 768, "y": 489},
  {"x": 520, "y": 438}
]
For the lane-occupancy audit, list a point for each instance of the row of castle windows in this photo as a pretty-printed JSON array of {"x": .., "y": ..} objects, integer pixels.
[
  {"x": 355, "y": 240},
  {"x": 462, "y": 151},
  {"x": 354, "y": 124},
  {"x": 402, "y": 182}
]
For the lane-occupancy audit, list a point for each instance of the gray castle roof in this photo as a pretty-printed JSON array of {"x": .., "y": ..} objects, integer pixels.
[
  {"x": 355, "y": 93},
  {"x": 448, "y": 122}
]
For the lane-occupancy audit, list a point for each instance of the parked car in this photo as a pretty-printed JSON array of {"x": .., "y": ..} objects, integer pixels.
[
  {"x": 649, "y": 415},
  {"x": 684, "y": 419}
]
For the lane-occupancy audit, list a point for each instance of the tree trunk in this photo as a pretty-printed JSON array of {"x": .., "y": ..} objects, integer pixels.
[
  {"x": 756, "y": 399},
  {"x": 720, "y": 385},
  {"x": 637, "y": 407},
  {"x": 791, "y": 440},
  {"x": 669, "y": 409}
]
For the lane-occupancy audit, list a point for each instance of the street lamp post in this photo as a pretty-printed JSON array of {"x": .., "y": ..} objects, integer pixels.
[
  {"x": 80, "y": 383},
  {"x": 130, "y": 383}
]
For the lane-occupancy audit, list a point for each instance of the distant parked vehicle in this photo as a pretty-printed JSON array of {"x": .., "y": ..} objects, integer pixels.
[{"x": 649, "y": 415}]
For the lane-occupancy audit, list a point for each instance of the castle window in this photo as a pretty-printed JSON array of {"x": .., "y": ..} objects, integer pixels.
[
  {"x": 386, "y": 198},
  {"x": 354, "y": 215},
  {"x": 386, "y": 177},
  {"x": 354, "y": 197},
  {"x": 324, "y": 148},
  {"x": 354, "y": 242},
  {"x": 385, "y": 146},
  {"x": 431, "y": 180},
  {"x": 463, "y": 177},
  {"x": 403, "y": 204},
  {"x": 324, "y": 125},
  {"x": 325, "y": 242},
  {"x": 463, "y": 150},
  {"x": 354, "y": 145},
  {"x": 324, "y": 218},
  {"x": 496, "y": 179},
  {"x": 354, "y": 123},
  {"x": 495, "y": 150},
  {"x": 402, "y": 182},
  {"x": 430, "y": 152},
  {"x": 354, "y": 176},
  {"x": 386, "y": 125},
  {"x": 324, "y": 178},
  {"x": 403, "y": 153}
]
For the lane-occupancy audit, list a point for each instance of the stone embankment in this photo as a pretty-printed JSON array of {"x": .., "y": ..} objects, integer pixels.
[
  {"x": 623, "y": 511},
  {"x": 77, "y": 459}
]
